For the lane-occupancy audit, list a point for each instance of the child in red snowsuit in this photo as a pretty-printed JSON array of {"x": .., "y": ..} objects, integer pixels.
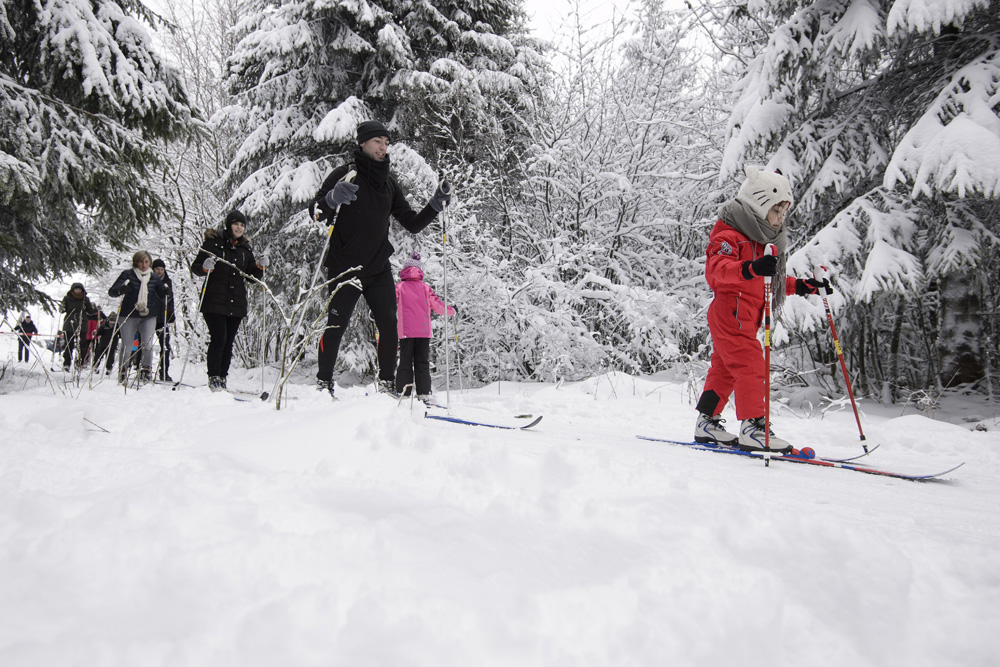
[
  {"x": 414, "y": 302},
  {"x": 735, "y": 269}
]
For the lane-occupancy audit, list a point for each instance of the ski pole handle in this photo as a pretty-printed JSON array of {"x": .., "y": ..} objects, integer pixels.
[
  {"x": 820, "y": 274},
  {"x": 445, "y": 186}
]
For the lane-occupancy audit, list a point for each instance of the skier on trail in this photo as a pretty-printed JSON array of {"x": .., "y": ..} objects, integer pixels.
[
  {"x": 164, "y": 318},
  {"x": 224, "y": 303},
  {"x": 359, "y": 248},
  {"x": 79, "y": 313},
  {"x": 735, "y": 270},
  {"x": 144, "y": 293},
  {"x": 414, "y": 301},
  {"x": 25, "y": 330},
  {"x": 106, "y": 340}
]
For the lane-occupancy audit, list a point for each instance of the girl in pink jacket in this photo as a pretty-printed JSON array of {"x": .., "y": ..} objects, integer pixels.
[{"x": 414, "y": 302}]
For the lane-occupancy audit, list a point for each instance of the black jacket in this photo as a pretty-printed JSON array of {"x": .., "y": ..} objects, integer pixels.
[
  {"x": 361, "y": 232},
  {"x": 165, "y": 315},
  {"x": 78, "y": 311},
  {"x": 25, "y": 330},
  {"x": 226, "y": 292},
  {"x": 128, "y": 284}
]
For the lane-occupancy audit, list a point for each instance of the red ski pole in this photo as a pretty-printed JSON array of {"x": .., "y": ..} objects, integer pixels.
[
  {"x": 840, "y": 354},
  {"x": 769, "y": 250}
]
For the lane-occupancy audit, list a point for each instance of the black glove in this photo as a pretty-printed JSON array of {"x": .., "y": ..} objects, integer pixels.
[
  {"x": 763, "y": 266},
  {"x": 441, "y": 198},
  {"x": 342, "y": 193},
  {"x": 807, "y": 286}
]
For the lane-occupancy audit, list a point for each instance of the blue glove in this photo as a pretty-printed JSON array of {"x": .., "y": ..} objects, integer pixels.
[
  {"x": 342, "y": 193},
  {"x": 441, "y": 198}
]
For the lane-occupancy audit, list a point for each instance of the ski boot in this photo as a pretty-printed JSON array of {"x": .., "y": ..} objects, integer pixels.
[
  {"x": 752, "y": 438},
  {"x": 709, "y": 430},
  {"x": 327, "y": 386}
]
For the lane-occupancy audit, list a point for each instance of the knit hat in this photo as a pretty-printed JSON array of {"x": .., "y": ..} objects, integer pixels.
[
  {"x": 413, "y": 260},
  {"x": 158, "y": 264},
  {"x": 371, "y": 129},
  {"x": 76, "y": 285},
  {"x": 235, "y": 216},
  {"x": 764, "y": 189}
]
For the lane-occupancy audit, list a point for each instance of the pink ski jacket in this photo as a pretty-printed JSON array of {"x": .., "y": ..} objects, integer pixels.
[{"x": 414, "y": 302}]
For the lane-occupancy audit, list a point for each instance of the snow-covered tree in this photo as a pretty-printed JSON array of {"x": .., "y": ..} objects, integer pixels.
[
  {"x": 606, "y": 248},
  {"x": 439, "y": 74},
  {"x": 884, "y": 115},
  {"x": 84, "y": 101}
]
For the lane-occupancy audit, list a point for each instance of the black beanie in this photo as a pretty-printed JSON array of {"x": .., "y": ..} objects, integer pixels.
[
  {"x": 235, "y": 216},
  {"x": 371, "y": 129},
  {"x": 158, "y": 263}
]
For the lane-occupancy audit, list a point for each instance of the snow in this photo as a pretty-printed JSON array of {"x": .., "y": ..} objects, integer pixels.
[{"x": 160, "y": 527}]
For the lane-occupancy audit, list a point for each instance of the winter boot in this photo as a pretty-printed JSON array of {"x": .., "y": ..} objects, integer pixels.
[
  {"x": 428, "y": 399},
  {"x": 327, "y": 386},
  {"x": 145, "y": 375},
  {"x": 215, "y": 383},
  {"x": 222, "y": 382},
  {"x": 752, "y": 437},
  {"x": 709, "y": 430},
  {"x": 386, "y": 387}
]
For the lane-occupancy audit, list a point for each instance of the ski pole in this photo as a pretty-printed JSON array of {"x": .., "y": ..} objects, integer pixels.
[
  {"x": 263, "y": 332},
  {"x": 445, "y": 188},
  {"x": 348, "y": 178},
  {"x": 840, "y": 353},
  {"x": 187, "y": 354},
  {"x": 770, "y": 250}
]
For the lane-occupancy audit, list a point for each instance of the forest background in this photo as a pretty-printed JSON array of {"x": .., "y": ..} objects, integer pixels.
[{"x": 588, "y": 167}]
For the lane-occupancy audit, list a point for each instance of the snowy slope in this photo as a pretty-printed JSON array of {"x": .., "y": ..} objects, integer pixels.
[{"x": 203, "y": 531}]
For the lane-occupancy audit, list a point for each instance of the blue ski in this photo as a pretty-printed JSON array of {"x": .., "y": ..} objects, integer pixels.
[
  {"x": 826, "y": 463},
  {"x": 456, "y": 420}
]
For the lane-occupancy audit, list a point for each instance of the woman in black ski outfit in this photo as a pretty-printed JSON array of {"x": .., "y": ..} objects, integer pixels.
[
  {"x": 225, "y": 258},
  {"x": 359, "y": 248}
]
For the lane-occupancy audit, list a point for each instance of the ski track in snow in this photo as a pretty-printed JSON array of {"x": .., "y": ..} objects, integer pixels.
[{"x": 204, "y": 531}]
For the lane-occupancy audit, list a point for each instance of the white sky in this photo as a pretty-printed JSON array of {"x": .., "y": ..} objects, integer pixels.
[{"x": 545, "y": 16}]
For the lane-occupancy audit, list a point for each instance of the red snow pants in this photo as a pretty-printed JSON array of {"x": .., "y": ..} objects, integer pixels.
[{"x": 737, "y": 355}]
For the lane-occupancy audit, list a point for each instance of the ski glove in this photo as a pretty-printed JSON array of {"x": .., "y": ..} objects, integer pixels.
[
  {"x": 807, "y": 286},
  {"x": 440, "y": 199},
  {"x": 208, "y": 264},
  {"x": 763, "y": 266},
  {"x": 342, "y": 193},
  {"x": 263, "y": 261}
]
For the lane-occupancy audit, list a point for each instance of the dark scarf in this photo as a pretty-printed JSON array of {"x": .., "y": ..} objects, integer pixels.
[
  {"x": 373, "y": 172},
  {"x": 741, "y": 217}
]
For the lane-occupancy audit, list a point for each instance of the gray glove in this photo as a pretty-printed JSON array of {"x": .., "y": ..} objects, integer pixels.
[
  {"x": 342, "y": 193},
  {"x": 208, "y": 264},
  {"x": 442, "y": 197},
  {"x": 263, "y": 261}
]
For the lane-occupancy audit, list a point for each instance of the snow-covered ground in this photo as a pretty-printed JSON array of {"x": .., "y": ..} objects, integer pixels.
[{"x": 183, "y": 527}]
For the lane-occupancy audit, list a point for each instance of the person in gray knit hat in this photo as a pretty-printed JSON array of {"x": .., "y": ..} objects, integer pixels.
[
  {"x": 359, "y": 249},
  {"x": 735, "y": 270}
]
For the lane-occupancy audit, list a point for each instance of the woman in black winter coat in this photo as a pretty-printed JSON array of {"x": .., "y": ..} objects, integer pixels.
[
  {"x": 144, "y": 292},
  {"x": 226, "y": 259},
  {"x": 80, "y": 312}
]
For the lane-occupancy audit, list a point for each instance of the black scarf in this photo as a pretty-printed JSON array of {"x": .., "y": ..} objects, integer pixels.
[
  {"x": 741, "y": 217},
  {"x": 371, "y": 171}
]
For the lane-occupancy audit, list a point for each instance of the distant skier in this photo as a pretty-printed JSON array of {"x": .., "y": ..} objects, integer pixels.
[
  {"x": 164, "y": 318},
  {"x": 144, "y": 292},
  {"x": 361, "y": 239},
  {"x": 225, "y": 301},
  {"x": 79, "y": 313},
  {"x": 414, "y": 302},
  {"x": 107, "y": 343},
  {"x": 25, "y": 330},
  {"x": 735, "y": 270}
]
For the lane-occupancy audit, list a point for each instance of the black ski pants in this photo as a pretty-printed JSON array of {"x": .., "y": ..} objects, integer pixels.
[
  {"x": 414, "y": 365},
  {"x": 380, "y": 293},
  {"x": 221, "y": 336}
]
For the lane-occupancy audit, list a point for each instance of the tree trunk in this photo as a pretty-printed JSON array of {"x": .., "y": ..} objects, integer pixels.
[{"x": 959, "y": 347}]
